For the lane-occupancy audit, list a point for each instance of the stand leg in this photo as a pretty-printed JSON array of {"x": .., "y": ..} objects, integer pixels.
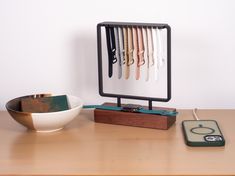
[
  {"x": 119, "y": 102},
  {"x": 150, "y": 105}
]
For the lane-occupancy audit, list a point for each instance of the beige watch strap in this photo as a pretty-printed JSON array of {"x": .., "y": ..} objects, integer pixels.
[
  {"x": 126, "y": 56},
  {"x": 141, "y": 60},
  {"x": 135, "y": 52}
]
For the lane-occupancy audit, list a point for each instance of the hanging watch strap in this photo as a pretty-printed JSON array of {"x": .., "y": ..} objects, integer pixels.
[
  {"x": 110, "y": 57},
  {"x": 146, "y": 56},
  {"x": 133, "y": 108},
  {"x": 130, "y": 46},
  {"x": 141, "y": 47},
  {"x": 126, "y": 55},
  {"x": 110, "y": 40},
  {"x": 160, "y": 56},
  {"x": 135, "y": 52},
  {"x": 155, "y": 53},
  {"x": 112, "y": 35},
  {"x": 121, "y": 51},
  {"x": 150, "y": 45},
  {"x": 141, "y": 60},
  {"x": 117, "y": 53}
]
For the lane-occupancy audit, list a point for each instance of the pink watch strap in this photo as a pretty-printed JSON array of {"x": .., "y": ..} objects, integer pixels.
[
  {"x": 146, "y": 55},
  {"x": 126, "y": 56},
  {"x": 141, "y": 60},
  {"x": 135, "y": 52},
  {"x": 130, "y": 46}
]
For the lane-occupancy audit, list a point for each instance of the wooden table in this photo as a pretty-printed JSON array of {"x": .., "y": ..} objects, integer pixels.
[{"x": 88, "y": 148}]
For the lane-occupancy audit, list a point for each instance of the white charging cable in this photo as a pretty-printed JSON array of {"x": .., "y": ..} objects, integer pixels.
[{"x": 195, "y": 114}]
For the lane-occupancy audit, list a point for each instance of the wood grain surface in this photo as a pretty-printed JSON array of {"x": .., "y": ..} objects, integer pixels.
[{"x": 87, "y": 148}]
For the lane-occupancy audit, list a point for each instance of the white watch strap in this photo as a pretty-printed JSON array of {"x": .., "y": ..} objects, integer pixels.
[
  {"x": 150, "y": 45},
  {"x": 160, "y": 56},
  {"x": 146, "y": 55},
  {"x": 155, "y": 53}
]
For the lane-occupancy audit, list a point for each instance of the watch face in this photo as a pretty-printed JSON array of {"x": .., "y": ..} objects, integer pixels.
[{"x": 131, "y": 108}]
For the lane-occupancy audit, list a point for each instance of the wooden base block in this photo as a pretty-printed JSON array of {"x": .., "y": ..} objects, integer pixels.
[{"x": 134, "y": 119}]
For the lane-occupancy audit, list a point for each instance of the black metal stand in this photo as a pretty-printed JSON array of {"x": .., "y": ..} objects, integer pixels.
[{"x": 100, "y": 69}]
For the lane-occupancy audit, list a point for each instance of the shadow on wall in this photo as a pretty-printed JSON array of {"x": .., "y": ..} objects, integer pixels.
[{"x": 83, "y": 65}]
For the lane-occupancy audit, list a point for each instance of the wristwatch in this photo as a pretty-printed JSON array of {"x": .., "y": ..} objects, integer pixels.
[{"x": 133, "y": 108}]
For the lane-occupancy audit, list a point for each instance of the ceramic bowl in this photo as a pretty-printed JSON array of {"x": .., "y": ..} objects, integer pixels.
[{"x": 44, "y": 122}]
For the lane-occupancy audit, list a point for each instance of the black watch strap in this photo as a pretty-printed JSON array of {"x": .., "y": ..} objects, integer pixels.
[{"x": 111, "y": 47}]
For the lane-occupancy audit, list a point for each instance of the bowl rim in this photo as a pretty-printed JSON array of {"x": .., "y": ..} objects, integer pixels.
[{"x": 46, "y": 94}]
